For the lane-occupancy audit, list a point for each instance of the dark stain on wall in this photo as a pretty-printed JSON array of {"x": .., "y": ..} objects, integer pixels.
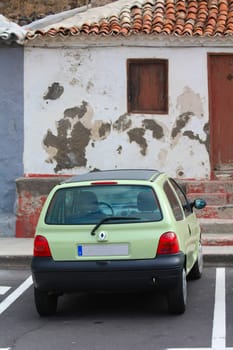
[
  {"x": 104, "y": 129},
  {"x": 206, "y": 129},
  {"x": 54, "y": 92},
  {"x": 157, "y": 130},
  {"x": 69, "y": 151},
  {"x": 137, "y": 135},
  {"x": 75, "y": 130},
  {"x": 123, "y": 123},
  {"x": 119, "y": 149},
  {"x": 181, "y": 122},
  {"x": 192, "y": 136},
  {"x": 76, "y": 111}
]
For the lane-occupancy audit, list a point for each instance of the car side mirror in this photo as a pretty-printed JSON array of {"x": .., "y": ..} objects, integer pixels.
[{"x": 198, "y": 203}]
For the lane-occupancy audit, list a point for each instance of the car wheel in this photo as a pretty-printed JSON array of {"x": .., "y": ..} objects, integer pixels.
[
  {"x": 177, "y": 297},
  {"x": 46, "y": 304},
  {"x": 197, "y": 268}
]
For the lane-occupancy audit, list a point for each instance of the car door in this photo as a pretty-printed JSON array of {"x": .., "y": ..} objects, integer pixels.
[{"x": 191, "y": 224}]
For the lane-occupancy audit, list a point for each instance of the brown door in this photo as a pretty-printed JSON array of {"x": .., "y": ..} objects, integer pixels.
[{"x": 220, "y": 71}]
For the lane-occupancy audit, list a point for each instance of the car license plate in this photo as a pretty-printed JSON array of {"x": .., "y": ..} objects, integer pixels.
[{"x": 103, "y": 249}]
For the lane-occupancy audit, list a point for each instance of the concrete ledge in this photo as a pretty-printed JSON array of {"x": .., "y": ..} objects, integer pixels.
[
  {"x": 15, "y": 262},
  {"x": 31, "y": 195},
  {"x": 218, "y": 255}
]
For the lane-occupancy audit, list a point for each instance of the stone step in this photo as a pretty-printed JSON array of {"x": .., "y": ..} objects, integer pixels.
[
  {"x": 219, "y": 226},
  {"x": 217, "y": 239},
  {"x": 224, "y": 174},
  {"x": 213, "y": 198},
  {"x": 216, "y": 212},
  {"x": 215, "y": 186}
]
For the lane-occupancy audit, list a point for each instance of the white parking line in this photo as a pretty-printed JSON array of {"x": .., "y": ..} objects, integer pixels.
[
  {"x": 15, "y": 295},
  {"x": 3, "y": 290},
  {"x": 219, "y": 321}
]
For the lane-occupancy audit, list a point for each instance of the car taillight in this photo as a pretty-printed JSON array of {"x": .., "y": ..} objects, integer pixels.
[
  {"x": 168, "y": 244},
  {"x": 41, "y": 246}
]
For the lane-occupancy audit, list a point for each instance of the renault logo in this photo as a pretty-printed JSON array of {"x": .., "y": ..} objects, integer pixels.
[{"x": 102, "y": 236}]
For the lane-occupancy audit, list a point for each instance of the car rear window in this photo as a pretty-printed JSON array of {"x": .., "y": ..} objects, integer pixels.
[{"x": 90, "y": 204}]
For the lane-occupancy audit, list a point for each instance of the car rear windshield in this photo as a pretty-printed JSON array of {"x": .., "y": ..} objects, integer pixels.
[{"x": 89, "y": 205}]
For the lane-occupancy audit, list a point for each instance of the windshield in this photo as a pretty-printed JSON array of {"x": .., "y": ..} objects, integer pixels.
[{"x": 91, "y": 204}]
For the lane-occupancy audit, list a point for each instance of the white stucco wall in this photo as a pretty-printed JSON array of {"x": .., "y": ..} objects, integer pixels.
[{"x": 94, "y": 80}]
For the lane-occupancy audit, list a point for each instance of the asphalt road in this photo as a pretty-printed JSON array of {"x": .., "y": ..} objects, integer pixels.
[{"x": 113, "y": 322}]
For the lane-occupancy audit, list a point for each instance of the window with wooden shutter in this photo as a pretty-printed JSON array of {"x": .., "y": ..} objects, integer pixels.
[{"x": 147, "y": 86}]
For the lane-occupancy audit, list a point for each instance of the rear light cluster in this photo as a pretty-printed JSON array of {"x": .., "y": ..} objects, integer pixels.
[
  {"x": 41, "y": 247},
  {"x": 168, "y": 244}
]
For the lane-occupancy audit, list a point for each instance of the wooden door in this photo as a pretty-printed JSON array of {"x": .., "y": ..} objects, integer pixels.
[{"x": 220, "y": 76}]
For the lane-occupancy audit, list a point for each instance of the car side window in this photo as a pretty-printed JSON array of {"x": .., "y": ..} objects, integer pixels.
[
  {"x": 174, "y": 203},
  {"x": 184, "y": 201}
]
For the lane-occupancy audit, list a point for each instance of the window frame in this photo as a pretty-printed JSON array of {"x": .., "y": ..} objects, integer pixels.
[
  {"x": 174, "y": 201},
  {"x": 182, "y": 197},
  {"x": 144, "y": 61}
]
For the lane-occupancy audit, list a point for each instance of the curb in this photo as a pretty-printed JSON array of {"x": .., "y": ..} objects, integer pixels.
[
  {"x": 15, "y": 261},
  {"x": 24, "y": 261},
  {"x": 218, "y": 260}
]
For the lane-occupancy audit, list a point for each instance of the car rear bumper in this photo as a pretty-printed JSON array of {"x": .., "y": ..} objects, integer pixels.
[{"x": 163, "y": 272}]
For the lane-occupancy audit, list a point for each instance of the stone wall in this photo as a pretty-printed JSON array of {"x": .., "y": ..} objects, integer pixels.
[{"x": 26, "y": 11}]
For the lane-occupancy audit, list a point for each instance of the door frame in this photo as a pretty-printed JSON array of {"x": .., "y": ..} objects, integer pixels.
[{"x": 211, "y": 124}]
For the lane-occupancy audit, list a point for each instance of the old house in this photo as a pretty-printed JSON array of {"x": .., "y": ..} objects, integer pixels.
[{"x": 146, "y": 83}]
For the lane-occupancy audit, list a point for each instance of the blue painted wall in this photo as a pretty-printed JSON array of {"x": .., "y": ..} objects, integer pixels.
[{"x": 11, "y": 130}]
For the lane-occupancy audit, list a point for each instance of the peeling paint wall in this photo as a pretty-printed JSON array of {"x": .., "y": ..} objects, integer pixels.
[
  {"x": 76, "y": 114},
  {"x": 11, "y": 133}
]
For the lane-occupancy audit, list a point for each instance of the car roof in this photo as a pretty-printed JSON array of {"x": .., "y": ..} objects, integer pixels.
[{"x": 117, "y": 174}]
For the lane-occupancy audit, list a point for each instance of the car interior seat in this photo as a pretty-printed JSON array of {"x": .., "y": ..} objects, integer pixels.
[
  {"x": 146, "y": 202},
  {"x": 88, "y": 202}
]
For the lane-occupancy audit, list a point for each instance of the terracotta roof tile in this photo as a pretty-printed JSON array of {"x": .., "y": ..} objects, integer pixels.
[{"x": 179, "y": 17}]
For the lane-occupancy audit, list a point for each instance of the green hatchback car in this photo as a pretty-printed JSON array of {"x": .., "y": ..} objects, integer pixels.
[{"x": 116, "y": 230}]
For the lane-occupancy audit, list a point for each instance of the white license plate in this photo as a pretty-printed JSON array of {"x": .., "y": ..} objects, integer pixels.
[{"x": 103, "y": 249}]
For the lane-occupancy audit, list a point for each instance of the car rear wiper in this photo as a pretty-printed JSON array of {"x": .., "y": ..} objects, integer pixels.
[{"x": 110, "y": 218}]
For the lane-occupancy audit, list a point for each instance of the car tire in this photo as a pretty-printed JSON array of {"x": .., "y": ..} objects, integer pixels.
[
  {"x": 177, "y": 297},
  {"x": 46, "y": 304},
  {"x": 197, "y": 268}
]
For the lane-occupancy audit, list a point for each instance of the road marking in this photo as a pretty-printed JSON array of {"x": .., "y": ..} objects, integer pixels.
[
  {"x": 15, "y": 295},
  {"x": 219, "y": 321},
  {"x": 3, "y": 290}
]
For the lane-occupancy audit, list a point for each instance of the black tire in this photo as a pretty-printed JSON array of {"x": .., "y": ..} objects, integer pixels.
[
  {"x": 177, "y": 297},
  {"x": 197, "y": 268},
  {"x": 46, "y": 304}
]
